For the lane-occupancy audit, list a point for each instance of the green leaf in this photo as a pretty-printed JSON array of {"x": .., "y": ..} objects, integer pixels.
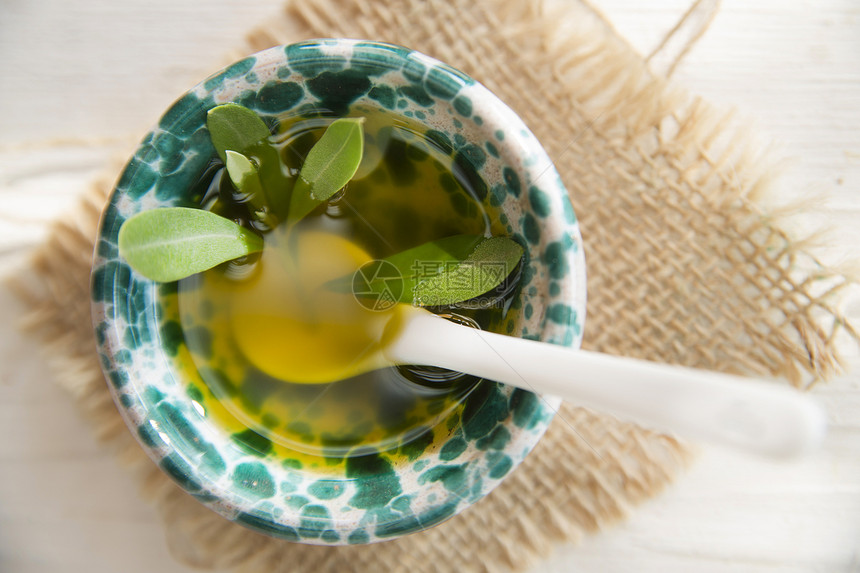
[
  {"x": 237, "y": 129},
  {"x": 169, "y": 244},
  {"x": 234, "y": 127},
  {"x": 329, "y": 166},
  {"x": 483, "y": 270},
  {"x": 428, "y": 260},
  {"x": 246, "y": 178},
  {"x": 244, "y": 175}
]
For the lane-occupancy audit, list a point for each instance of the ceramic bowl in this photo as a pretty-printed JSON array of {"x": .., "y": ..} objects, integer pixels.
[{"x": 380, "y": 495}]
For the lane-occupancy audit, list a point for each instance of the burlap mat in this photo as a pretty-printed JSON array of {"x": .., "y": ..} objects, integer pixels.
[{"x": 682, "y": 268}]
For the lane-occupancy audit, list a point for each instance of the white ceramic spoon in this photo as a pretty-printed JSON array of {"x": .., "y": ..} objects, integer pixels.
[
  {"x": 743, "y": 413},
  {"x": 740, "y": 412}
]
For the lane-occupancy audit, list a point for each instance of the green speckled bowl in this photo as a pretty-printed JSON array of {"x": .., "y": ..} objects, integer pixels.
[{"x": 379, "y": 495}]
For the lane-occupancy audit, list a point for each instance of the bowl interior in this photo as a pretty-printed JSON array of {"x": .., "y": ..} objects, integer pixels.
[{"x": 378, "y": 495}]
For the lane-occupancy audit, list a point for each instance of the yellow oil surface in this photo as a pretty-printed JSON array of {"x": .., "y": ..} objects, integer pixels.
[
  {"x": 289, "y": 324},
  {"x": 300, "y": 361}
]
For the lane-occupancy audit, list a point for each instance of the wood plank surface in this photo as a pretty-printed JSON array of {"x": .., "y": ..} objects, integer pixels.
[{"x": 79, "y": 78}]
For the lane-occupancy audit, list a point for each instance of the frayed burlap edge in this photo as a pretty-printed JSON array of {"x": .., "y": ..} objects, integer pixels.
[{"x": 683, "y": 268}]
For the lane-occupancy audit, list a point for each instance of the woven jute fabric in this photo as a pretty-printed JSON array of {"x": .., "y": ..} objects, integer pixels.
[{"x": 683, "y": 267}]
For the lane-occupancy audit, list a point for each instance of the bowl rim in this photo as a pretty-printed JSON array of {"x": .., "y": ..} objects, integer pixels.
[{"x": 112, "y": 281}]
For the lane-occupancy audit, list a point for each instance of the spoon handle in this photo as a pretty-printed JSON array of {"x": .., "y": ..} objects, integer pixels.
[{"x": 743, "y": 413}]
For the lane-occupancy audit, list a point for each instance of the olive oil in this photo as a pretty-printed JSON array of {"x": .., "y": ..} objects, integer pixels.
[{"x": 275, "y": 344}]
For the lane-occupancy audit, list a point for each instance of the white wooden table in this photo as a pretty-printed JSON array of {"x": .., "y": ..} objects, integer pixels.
[{"x": 791, "y": 68}]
